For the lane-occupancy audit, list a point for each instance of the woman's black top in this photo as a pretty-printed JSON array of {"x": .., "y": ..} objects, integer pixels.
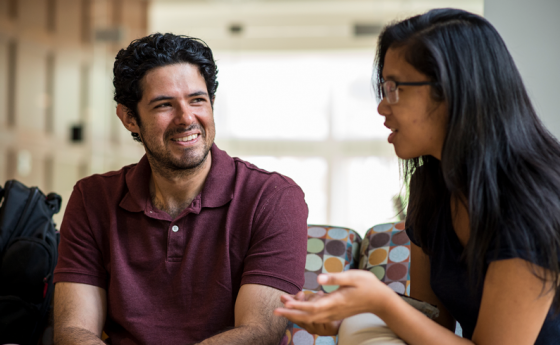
[{"x": 450, "y": 283}]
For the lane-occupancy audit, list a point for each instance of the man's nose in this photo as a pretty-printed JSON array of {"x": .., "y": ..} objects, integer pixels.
[{"x": 185, "y": 115}]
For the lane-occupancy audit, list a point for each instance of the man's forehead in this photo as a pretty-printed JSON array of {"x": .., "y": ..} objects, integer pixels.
[
  {"x": 169, "y": 76},
  {"x": 161, "y": 71}
]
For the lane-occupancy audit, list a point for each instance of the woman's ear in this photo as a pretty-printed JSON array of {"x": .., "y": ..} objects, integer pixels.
[{"x": 127, "y": 120}]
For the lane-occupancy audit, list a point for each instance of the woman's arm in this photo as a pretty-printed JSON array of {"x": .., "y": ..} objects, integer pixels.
[
  {"x": 514, "y": 303},
  {"x": 361, "y": 292},
  {"x": 420, "y": 289},
  {"x": 512, "y": 310}
]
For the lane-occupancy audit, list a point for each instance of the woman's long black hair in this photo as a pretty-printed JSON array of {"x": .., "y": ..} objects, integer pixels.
[{"x": 497, "y": 155}]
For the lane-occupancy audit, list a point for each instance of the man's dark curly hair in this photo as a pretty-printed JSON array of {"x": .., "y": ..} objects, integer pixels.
[{"x": 157, "y": 50}]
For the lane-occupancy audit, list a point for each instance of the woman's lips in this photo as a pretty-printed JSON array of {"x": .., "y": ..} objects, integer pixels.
[{"x": 391, "y": 137}]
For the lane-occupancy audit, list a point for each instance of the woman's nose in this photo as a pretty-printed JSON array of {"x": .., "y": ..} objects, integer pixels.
[{"x": 383, "y": 108}]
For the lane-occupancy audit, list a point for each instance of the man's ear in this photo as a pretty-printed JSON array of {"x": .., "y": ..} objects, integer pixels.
[{"x": 127, "y": 120}]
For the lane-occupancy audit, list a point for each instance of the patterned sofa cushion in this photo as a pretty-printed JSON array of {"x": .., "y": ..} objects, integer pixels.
[
  {"x": 385, "y": 251},
  {"x": 329, "y": 250}
]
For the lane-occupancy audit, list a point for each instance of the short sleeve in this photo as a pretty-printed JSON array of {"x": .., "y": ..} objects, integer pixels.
[
  {"x": 506, "y": 251},
  {"x": 79, "y": 257},
  {"x": 278, "y": 246}
]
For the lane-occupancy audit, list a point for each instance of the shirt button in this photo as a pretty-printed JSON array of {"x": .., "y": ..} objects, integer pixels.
[{"x": 175, "y": 228}]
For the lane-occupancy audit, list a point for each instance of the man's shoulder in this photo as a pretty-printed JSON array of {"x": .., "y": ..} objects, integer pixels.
[{"x": 110, "y": 180}]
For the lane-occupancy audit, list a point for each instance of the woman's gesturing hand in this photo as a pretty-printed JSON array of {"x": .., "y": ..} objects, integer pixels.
[
  {"x": 325, "y": 328},
  {"x": 359, "y": 292}
]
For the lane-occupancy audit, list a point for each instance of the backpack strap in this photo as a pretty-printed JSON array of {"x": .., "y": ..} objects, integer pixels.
[
  {"x": 29, "y": 205},
  {"x": 1, "y": 194},
  {"x": 54, "y": 201}
]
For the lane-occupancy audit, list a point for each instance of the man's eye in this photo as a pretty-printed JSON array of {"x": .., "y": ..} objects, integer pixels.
[
  {"x": 163, "y": 105},
  {"x": 198, "y": 100}
]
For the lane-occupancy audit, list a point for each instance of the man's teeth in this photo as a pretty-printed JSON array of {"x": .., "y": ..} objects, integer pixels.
[{"x": 189, "y": 138}]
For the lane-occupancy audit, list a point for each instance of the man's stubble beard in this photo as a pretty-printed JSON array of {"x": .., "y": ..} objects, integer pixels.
[{"x": 165, "y": 164}]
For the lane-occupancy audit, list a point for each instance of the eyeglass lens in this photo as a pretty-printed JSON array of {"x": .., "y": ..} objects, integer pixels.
[{"x": 389, "y": 89}]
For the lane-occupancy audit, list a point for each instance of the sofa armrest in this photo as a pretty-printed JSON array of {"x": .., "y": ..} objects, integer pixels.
[
  {"x": 385, "y": 251},
  {"x": 330, "y": 249}
]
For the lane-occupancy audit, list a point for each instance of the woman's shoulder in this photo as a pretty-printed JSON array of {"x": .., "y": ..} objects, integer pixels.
[{"x": 531, "y": 242}]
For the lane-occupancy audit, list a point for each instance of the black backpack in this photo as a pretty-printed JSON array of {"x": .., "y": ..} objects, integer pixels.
[{"x": 28, "y": 255}]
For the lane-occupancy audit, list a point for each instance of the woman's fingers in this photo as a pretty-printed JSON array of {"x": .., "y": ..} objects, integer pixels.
[
  {"x": 318, "y": 307},
  {"x": 312, "y": 296},
  {"x": 317, "y": 312},
  {"x": 316, "y": 304},
  {"x": 286, "y": 298},
  {"x": 294, "y": 315},
  {"x": 342, "y": 279},
  {"x": 301, "y": 317},
  {"x": 301, "y": 296},
  {"x": 347, "y": 278},
  {"x": 310, "y": 323}
]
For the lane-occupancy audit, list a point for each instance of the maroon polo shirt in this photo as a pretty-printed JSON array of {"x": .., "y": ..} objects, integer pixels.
[{"x": 172, "y": 281}]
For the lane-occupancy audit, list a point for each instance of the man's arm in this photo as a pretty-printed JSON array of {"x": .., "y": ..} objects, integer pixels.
[
  {"x": 254, "y": 321},
  {"x": 79, "y": 313},
  {"x": 276, "y": 257}
]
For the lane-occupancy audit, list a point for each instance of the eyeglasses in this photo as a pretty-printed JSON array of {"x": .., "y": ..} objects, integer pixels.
[{"x": 390, "y": 89}]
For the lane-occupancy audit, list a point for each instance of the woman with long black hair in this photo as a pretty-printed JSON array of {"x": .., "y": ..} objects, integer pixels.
[{"x": 484, "y": 204}]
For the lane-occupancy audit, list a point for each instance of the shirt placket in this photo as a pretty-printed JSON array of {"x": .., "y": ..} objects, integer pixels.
[{"x": 176, "y": 237}]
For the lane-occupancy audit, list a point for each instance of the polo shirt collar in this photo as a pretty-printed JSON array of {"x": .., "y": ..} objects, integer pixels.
[
  {"x": 220, "y": 182},
  {"x": 217, "y": 191},
  {"x": 138, "y": 182}
]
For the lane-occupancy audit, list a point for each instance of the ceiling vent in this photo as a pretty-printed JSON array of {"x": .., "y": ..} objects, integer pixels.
[
  {"x": 236, "y": 29},
  {"x": 363, "y": 30},
  {"x": 109, "y": 35}
]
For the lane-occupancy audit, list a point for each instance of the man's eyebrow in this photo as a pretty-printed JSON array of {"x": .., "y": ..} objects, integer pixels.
[
  {"x": 198, "y": 93},
  {"x": 165, "y": 98},
  {"x": 159, "y": 98}
]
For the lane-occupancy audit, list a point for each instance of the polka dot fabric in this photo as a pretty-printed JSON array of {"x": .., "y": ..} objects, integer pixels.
[
  {"x": 385, "y": 251},
  {"x": 329, "y": 250}
]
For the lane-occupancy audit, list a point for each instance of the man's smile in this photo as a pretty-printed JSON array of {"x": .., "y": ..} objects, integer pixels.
[{"x": 187, "y": 138}]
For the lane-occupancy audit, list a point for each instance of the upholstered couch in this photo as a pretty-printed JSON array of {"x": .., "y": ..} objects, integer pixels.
[{"x": 384, "y": 251}]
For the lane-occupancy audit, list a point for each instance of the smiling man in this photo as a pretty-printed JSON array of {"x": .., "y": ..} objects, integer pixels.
[{"x": 189, "y": 245}]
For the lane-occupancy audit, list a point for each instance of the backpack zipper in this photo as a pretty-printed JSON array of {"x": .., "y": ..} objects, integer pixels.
[{"x": 46, "y": 282}]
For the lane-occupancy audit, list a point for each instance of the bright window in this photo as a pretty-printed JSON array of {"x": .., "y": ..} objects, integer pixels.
[{"x": 311, "y": 116}]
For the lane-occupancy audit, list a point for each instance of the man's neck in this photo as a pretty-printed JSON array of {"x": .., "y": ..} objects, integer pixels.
[{"x": 173, "y": 192}]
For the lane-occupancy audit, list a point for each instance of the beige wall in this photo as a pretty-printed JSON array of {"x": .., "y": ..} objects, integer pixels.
[
  {"x": 530, "y": 30},
  {"x": 79, "y": 90}
]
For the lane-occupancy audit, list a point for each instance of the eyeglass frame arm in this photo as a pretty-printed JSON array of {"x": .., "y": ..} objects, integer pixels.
[{"x": 410, "y": 83}]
